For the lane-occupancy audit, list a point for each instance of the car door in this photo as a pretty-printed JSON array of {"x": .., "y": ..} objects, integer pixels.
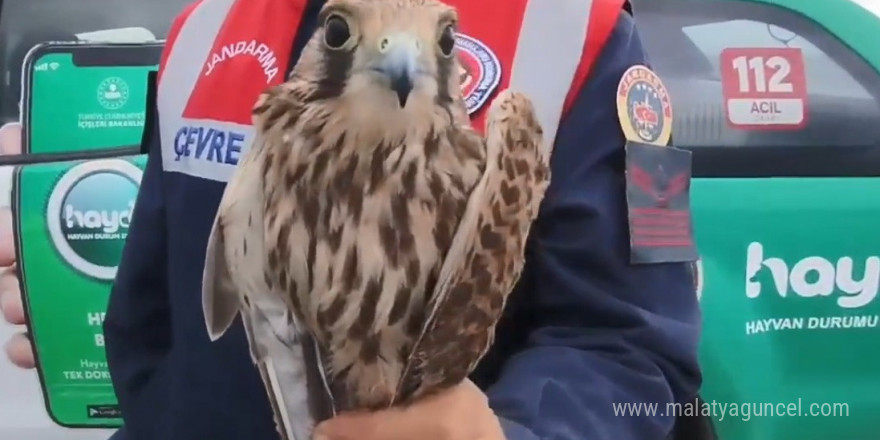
[
  {"x": 23, "y": 24},
  {"x": 778, "y": 102}
]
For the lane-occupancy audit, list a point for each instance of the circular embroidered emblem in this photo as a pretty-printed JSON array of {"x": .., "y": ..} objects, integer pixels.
[
  {"x": 480, "y": 71},
  {"x": 643, "y": 107}
]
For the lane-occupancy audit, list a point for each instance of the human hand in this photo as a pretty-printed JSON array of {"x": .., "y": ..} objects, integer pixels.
[
  {"x": 459, "y": 413},
  {"x": 18, "y": 348},
  {"x": 10, "y": 139}
]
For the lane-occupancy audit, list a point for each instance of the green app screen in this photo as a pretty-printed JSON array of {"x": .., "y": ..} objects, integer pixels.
[
  {"x": 72, "y": 220},
  {"x": 85, "y": 108}
]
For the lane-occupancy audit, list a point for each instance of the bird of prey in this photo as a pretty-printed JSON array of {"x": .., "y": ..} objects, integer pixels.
[{"x": 369, "y": 227}]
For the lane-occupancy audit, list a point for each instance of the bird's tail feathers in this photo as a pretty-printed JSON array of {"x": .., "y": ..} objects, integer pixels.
[{"x": 290, "y": 368}]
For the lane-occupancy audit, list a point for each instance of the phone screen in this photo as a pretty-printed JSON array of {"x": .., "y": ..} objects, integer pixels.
[
  {"x": 81, "y": 98},
  {"x": 71, "y": 215},
  {"x": 71, "y": 220}
]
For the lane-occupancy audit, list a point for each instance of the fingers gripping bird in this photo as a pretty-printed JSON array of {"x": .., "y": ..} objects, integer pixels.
[{"x": 369, "y": 226}]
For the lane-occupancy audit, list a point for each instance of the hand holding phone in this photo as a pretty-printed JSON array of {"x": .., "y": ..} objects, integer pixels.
[
  {"x": 18, "y": 348},
  {"x": 72, "y": 204}
]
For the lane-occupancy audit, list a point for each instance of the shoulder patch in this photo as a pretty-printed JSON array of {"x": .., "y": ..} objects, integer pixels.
[
  {"x": 643, "y": 107},
  {"x": 480, "y": 71},
  {"x": 658, "y": 175}
]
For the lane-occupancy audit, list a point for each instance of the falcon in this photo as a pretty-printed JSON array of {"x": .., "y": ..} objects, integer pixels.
[{"x": 370, "y": 231}]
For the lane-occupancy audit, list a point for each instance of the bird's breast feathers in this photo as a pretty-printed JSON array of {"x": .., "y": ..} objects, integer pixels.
[{"x": 357, "y": 234}]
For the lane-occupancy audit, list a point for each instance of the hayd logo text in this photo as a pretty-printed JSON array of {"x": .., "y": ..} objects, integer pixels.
[
  {"x": 851, "y": 284},
  {"x": 95, "y": 224},
  {"x": 89, "y": 212}
]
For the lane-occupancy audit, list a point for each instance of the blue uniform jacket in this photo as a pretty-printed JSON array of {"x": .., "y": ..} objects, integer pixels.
[{"x": 584, "y": 329}]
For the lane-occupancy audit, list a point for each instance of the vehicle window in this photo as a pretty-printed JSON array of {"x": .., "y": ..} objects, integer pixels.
[
  {"x": 25, "y": 23},
  {"x": 744, "y": 74}
]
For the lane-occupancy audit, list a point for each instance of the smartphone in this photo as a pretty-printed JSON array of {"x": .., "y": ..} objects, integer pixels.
[
  {"x": 84, "y": 107},
  {"x": 71, "y": 220},
  {"x": 83, "y": 98}
]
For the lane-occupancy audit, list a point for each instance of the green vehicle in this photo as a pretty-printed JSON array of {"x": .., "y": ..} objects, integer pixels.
[{"x": 779, "y": 101}]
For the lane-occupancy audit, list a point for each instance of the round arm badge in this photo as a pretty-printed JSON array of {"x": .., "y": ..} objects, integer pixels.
[
  {"x": 643, "y": 107},
  {"x": 657, "y": 177}
]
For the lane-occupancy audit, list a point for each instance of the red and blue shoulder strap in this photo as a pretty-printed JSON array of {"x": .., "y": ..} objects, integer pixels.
[
  {"x": 557, "y": 46},
  {"x": 176, "y": 25},
  {"x": 149, "y": 134},
  {"x": 551, "y": 63},
  {"x": 603, "y": 17}
]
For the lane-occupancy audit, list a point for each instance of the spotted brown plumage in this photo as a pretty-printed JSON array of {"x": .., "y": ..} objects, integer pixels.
[
  {"x": 487, "y": 254},
  {"x": 370, "y": 215}
]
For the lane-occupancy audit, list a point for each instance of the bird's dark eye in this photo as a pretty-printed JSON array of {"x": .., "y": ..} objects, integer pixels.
[
  {"x": 447, "y": 41},
  {"x": 336, "y": 32}
]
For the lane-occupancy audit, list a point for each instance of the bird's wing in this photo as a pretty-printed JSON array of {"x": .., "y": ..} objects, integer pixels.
[
  {"x": 227, "y": 250},
  {"x": 235, "y": 245},
  {"x": 234, "y": 281},
  {"x": 220, "y": 301},
  {"x": 487, "y": 252}
]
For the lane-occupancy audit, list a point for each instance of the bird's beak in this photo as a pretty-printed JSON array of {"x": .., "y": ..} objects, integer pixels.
[{"x": 399, "y": 63}]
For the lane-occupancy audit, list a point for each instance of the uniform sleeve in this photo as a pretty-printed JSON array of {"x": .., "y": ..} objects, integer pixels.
[
  {"x": 137, "y": 328},
  {"x": 604, "y": 332}
]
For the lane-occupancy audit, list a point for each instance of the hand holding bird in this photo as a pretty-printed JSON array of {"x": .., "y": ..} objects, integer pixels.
[{"x": 458, "y": 413}]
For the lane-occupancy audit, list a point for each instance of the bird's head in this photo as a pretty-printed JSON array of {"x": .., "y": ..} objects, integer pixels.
[{"x": 391, "y": 54}]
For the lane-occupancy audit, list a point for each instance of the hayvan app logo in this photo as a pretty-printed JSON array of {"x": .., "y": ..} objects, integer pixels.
[
  {"x": 814, "y": 293},
  {"x": 814, "y": 276},
  {"x": 89, "y": 212}
]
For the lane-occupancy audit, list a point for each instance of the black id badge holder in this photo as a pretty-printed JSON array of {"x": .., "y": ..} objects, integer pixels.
[{"x": 658, "y": 175}]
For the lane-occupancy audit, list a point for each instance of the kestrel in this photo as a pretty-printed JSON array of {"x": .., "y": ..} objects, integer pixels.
[{"x": 369, "y": 229}]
